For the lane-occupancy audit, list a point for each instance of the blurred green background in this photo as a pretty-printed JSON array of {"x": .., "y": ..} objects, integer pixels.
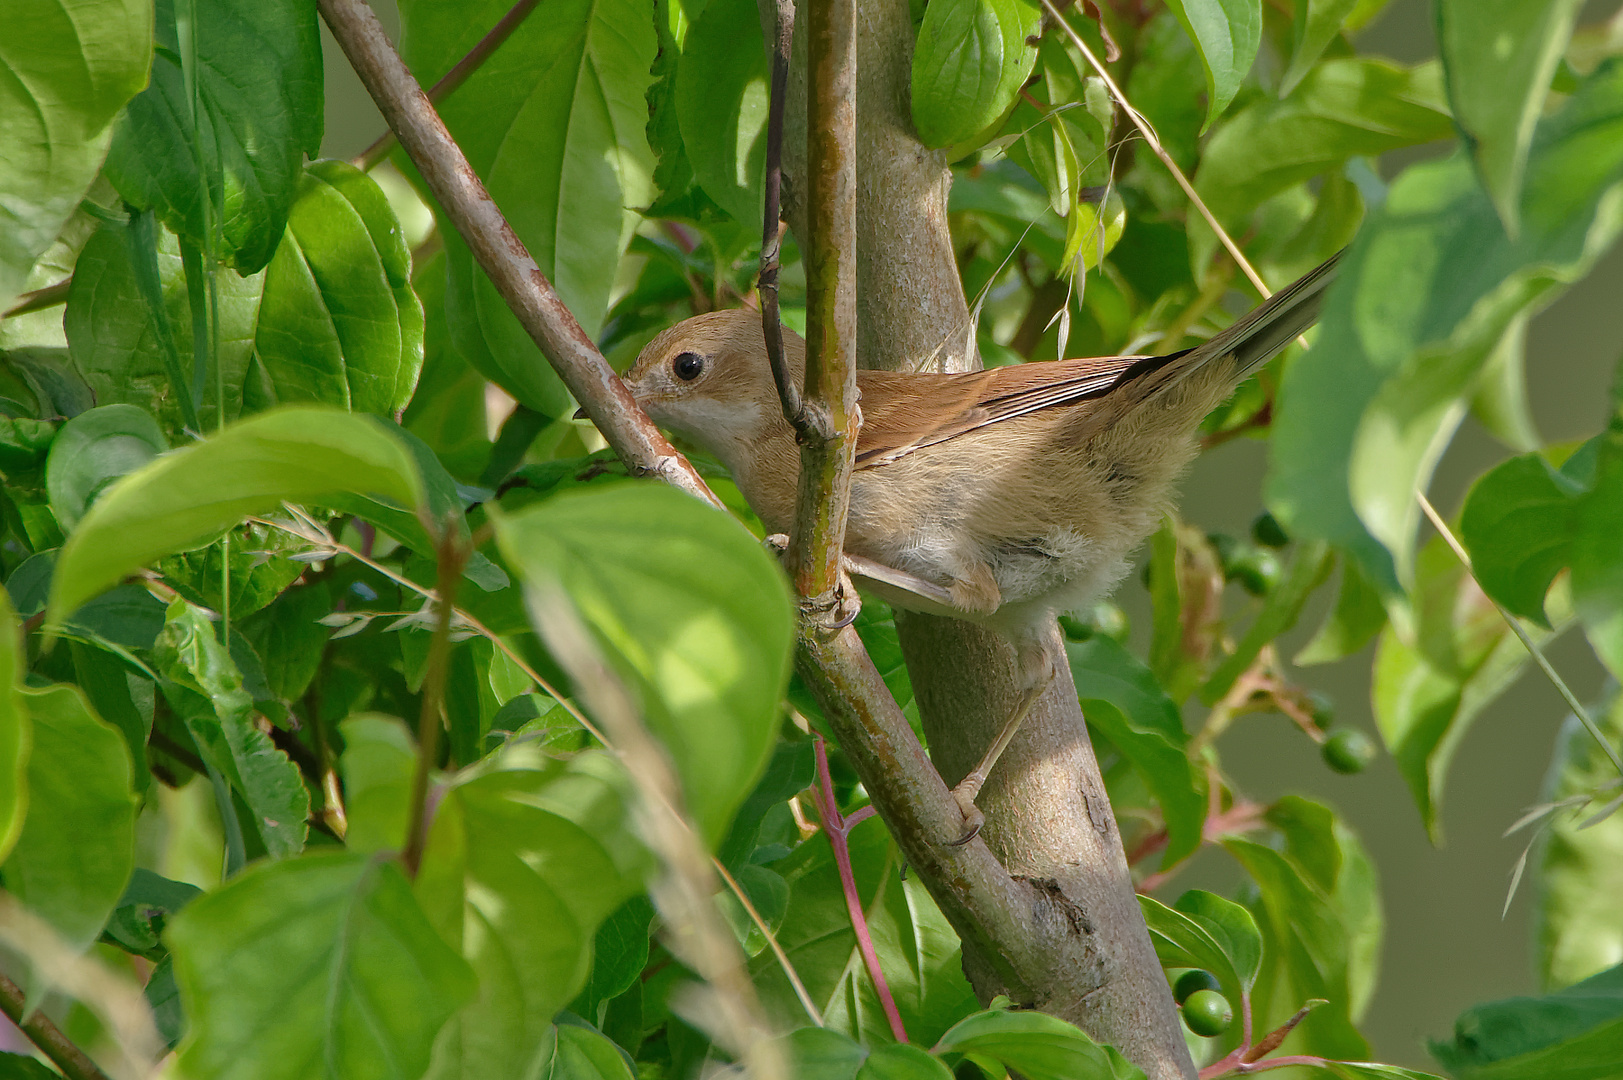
[{"x": 1447, "y": 947}]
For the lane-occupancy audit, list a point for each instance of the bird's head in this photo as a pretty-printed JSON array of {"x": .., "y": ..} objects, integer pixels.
[{"x": 707, "y": 378}]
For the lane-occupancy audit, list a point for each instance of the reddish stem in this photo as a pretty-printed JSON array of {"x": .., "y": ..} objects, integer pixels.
[{"x": 839, "y": 829}]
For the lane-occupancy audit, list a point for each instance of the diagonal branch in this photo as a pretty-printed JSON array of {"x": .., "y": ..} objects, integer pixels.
[{"x": 500, "y": 253}]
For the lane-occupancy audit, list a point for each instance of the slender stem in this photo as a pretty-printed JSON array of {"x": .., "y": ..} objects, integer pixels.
[
  {"x": 771, "y": 227},
  {"x": 1527, "y": 641},
  {"x": 369, "y": 158},
  {"x": 1154, "y": 141},
  {"x": 838, "y": 830},
  {"x": 501, "y": 254},
  {"x": 451, "y": 557},
  {"x": 74, "y": 1062},
  {"x": 789, "y": 971}
]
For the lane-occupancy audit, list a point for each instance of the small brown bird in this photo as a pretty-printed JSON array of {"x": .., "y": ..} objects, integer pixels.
[{"x": 1004, "y": 496}]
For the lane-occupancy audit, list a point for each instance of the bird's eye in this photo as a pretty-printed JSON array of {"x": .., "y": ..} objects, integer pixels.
[{"x": 688, "y": 366}]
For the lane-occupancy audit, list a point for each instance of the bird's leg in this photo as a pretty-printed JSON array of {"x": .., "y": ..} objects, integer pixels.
[
  {"x": 1036, "y": 672},
  {"x": 847, "y": 604}
]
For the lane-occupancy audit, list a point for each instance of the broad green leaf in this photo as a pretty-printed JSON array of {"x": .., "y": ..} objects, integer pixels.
[
  {"x": 1579, "y": 861},
  {"x": 1228, "y": 34},
  {"x": 23, "y": 1067},
  {"x": 1499, "y": 56},
  {"x": 573, "y": 1052},
  {"x": 263, "y": 562},
  {"x": 619, "y": 955},
  {"x": 971, "y": 59},
  {"x": 70, "y": 65},
  {"x": 94, "y": 449},
  {"x": 721, "y": 103},
  {"x": 1423, "y": 298},
  {"x": 820, "y": 1053},
  {"x": 1427, "y": 693},
  {"x": 1316, "y": 24},
  {"x": 163, "y": 998},
  {"x": 289, "y": 638},
  {"x": 206, "y": 691},
  {"x": 1500, "y": 403},
  {"x": 258, "y": 85},
  {"x": 1206, "y": 931},
  {"x": 917, "y": 948},
  {"x": 1320, "y": 916},
  {"x": 902, "y": 1061},
  {"x": 1344, "y": 108},
  {"x": 699, "y": 624},
  {"x": 106, "y": 680},
  {"x": 555, "y": 124},
  {"x": 328, "y": 959},
  {"x": 1037, "y": 1046},
  {"x": 1355, "y": 620},
  {"x": 77, "y": 845},
  {"x": 15, "y": 733},
  {"x": 1308, "y": 569},
  {"x": 521, "y": 866},
  {"x": 339, "y": 323},
  {"x": 1518, "y": 525},
  {"x": 1121, "y": 698},
  {"x": 188, "y": 498},
  {"x": 149, "y": 900},
  {"x": 1597, "y": 572},
  {"x": 1572, "y": 1034},
  {"x": 118, "y": 344}
]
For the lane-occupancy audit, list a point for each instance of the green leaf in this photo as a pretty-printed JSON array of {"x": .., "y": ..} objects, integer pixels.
[
  {"x": 206, "y": 691},
  {"x": 1518, "y": 524},
  {"x": 1579, "y": 861},
  {"x": 187, "y": 499},
  {"x": 81, "y": 63},
  {"x": 1597, "y": 572},
  {"x": 556, "y": 127},
  {"x": 700, "y": 624},
  {"x": 721, "y": 104},
  {"x": 1573, "y": 1034},
  {"x": 1499, "y": 57},
  {"x": 521, "y": 867},
  {"x": 1308, "y": 569},
  {"x": 258, "y": 84},
  {"x": 15, "y": 733},
  {"x": 817, "y": 1053},
  {"x": 1316, "y": 24},
  {"x": 902, "y": 1061},
  {"x": 1427, "y": 693},
  {"x": 77, "y": 845},
  {"x": 971, "y": 59},
  {"x": 137, "y": 923},
  {"x": 122, "y": 348},
  {"x": 339, "y": 323},
  {"x": 377, "y": 763},
  {"x": 1208, "y": 932},
  {"x": 917, "y": 948},
  {"x": 1228, "y": 34},
  {"x": 94, "y": 449},
  {"x": 1355, "y": 620},
  {"x": 1423, "y": 298},
  {"x": 163, "y": 998},
  {"x": 289, "y": 638},
  {"x": 1344, "y": 108},
  {"x": 22, "y": 1067},
  {"x": 1037, "y": 1046},
  {"x": 263, "y": 561},
  {"x": 573, "y": 1052},
  {"x": 1319, "y": 912},
  {"x": 1121, "y": 698},
  {"x": 619, "y": 955},
  {"x": 328, "y": 959}
]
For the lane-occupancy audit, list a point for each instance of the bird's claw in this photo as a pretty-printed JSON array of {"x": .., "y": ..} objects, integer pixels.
[{"x": 973, "y": 818}]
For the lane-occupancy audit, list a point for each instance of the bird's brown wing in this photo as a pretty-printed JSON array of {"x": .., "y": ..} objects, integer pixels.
[{"x": 902, "y": 413}]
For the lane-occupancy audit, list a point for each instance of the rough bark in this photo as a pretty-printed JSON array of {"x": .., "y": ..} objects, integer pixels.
[{"x": 1048, "y": 817}]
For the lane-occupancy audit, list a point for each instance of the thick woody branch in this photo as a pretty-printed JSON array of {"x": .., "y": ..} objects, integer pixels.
[
  {"x": 500, "y": 253},
  {"x": 828, "y": 443}
]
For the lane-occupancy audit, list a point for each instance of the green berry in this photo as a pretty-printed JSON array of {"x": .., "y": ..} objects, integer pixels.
[
  {"x": 1348, "y": 750},
  {"x": 1193, "y": 981},
  {"x": 1256, "y": 569},
  {"x": 1267, "y": 531},
  {"x": 1207, "y": 1013}
]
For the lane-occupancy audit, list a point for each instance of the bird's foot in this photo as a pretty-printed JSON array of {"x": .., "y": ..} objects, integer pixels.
[{"x": 964, "y": 795}]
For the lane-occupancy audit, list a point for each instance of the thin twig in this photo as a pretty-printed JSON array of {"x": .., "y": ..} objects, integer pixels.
[
  {"x": 368, "y": 159},
  {"x": 1527, "y": 641},
  {"x": 451, "y": 556},
  {"x": 40, "y": 299},
  {"x": 74, "y": 1062},
  {"x": 838, "y": 830},
  {"x": 1148, "y": 131}
]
